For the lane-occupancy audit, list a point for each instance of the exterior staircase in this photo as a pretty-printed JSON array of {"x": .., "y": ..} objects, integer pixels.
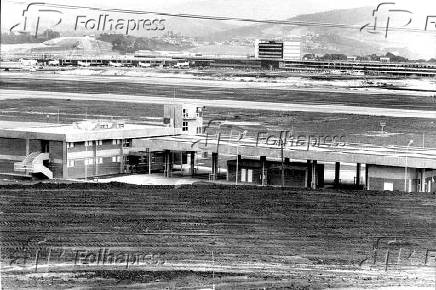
[{"x": 33, "y": 165}]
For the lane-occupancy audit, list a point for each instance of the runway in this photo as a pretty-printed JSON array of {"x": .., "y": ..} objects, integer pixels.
[{"x": 224, "y": 103}]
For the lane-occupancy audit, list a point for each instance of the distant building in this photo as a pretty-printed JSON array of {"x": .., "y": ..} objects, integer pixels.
[
  {"x": 385, "y": 59},
  {"x": 277, "y": 50},
  {"x": 351, "y": 58}
]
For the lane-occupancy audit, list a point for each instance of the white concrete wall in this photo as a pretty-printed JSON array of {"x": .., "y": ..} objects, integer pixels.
[
  {"x": 379, "y": 171},
  {"x": 291, "y": 50}
]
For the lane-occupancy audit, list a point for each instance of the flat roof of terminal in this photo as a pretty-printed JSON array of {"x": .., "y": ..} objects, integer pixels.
[{"x": 74, "y": 133}]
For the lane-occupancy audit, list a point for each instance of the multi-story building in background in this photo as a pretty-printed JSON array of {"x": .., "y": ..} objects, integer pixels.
[{"x": 277, "y": 50}]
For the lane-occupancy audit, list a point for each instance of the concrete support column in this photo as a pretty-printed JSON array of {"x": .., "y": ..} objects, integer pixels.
[
  {"x": 94, "y": 148},
  {"x": 64, "y": 160},
  {"x": 314, "y": 183},
  {"x": 358, "y": 169},
  {"x": 170, "y": 163},
  {"x": 27, "y": 147},
  {"x": 309, "y": 174},
  {"x": 366, "y": 177},
  {"x": 181, "y": 163},
  {"x": 149, "y": 160},
  {"x": 167, "y": 161},
  {"x": 337, "y": 174},
  {"x": 263, "y": 171},
  {"x": 192, "y": 169},
  {"x": 238, "y": 162},
  {"x": 165, "y": 156},
  {"x": 423, "y": 180},
  {"x": 214, "y": 164},
  {"x": 121, "y": 157}
]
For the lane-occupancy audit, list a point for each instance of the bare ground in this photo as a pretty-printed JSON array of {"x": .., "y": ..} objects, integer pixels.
[{"x": 194, "y": 237}]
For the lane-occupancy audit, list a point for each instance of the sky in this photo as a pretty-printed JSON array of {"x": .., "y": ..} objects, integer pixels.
[{"x": 260, "y": 9}]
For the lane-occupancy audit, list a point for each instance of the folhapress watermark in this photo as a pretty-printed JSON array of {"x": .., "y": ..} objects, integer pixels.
[
  {"x": 37, "y": 15},
  {"x": 287, "y": 140},
  {"x": 393, "y": 252},
  {"x": 95, "y": 257},
  {"x": 105, "y": 22}
]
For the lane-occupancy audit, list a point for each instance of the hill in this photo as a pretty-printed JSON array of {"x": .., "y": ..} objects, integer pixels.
[{"x": 321, "y": 40}]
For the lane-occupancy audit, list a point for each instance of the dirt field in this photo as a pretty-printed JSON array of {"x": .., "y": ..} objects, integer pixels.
[{"x": 197, "y": 237}]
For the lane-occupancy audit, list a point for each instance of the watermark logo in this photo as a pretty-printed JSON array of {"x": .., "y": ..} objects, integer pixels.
[
  {"x": 386, "y": 14},
  {"x": 286, "y": 139},
  {"x": 37, "y": 15},
  {"x": 50, "y": 256},
  {"x": 33, "y": 20},
  {"x": 105, "y": 22},
  {"x": 390, "y": 252},
  {"x": 216, "y": 129}
]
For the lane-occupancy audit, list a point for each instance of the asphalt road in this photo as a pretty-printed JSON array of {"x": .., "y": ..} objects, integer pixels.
[
  {"x": 183, "y": 90},
  {"x": 223, "y": 103}
]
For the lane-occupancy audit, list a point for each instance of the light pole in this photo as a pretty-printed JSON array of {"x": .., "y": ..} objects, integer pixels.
[{"x": 405, "y": 168}]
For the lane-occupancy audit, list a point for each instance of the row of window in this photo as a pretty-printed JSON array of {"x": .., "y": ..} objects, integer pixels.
[
  {"x": 90, "y": 161},
  {"x": 198, "y": 113},
  {"x": 185, "y": 128},
  {"x": 97, "y": 143},
  {"x": 246, "y": 175}
]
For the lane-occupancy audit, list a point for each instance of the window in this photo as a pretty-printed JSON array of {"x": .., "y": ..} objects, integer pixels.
[
  {"x": 89, "y": 161},
  {"x": 116, "y": 142},
  {"x": 243, "y": 174},
  {"x": 70, "y": 144},
  {"x": 99, "y": 142},
  {"x": 116, "y": 159},
  {"x": 185, "y": 126},
  {"x": 249, "y": 175},
  {"x": 185, "y": 114},
  {"x": 199, "y": 112},
  {"x": 88, "y": 143},
  {"x": 99, "y": 160},
  {"x": 199, "y": 129},
  {"x": 388, "y": 186},
  {"x": 70, "y": 163}
]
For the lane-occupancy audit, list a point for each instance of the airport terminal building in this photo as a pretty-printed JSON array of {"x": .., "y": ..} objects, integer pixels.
[
  {"x": 81, "y": 150},
  {"x": 94, "y": 148},
  {"x": 84, "y": 149}
]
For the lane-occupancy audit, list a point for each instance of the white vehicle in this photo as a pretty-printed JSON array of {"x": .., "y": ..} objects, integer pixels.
[
  {"x": 53, "y": 62},
  {"x": 115, "y": 64},
  {"x": 182, "y": 64},
  {"x": 82, "y": 63},
  {"x": 28, "y": 62},
  {"x": 144, "y": 64}
]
